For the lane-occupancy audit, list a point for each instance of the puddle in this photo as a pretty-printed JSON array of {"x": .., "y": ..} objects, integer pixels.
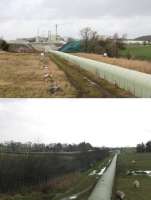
[
  {"x": 109, "y": 162},
  {"x": 90, "y": 82},
  {"x": 73, "y": 197},
  {"x": 102, "y": 171},
  {"x": 92, "y": 173},
  {"x": 139, "y": 172}
]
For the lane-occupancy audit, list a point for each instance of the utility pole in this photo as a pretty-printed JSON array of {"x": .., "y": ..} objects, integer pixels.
[
  {"x": 56, "y": 32},
  {"x": 37, "y": 39},
  {"x": 49, "y": 36}
]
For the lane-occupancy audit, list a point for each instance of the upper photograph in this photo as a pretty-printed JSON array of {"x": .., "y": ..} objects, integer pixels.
[{"x": 80, "y": 49}]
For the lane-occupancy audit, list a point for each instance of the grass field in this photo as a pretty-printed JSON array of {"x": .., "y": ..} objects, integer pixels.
[
  {"x": 142, "y": 52},
  {"x": 124, "y": 182},
  {"x": 22, "y": 75}
]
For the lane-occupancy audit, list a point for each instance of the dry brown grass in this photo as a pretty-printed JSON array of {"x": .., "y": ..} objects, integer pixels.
[
  {"x": 142, "y": 66},
  {"x": 22, "y": 75}
]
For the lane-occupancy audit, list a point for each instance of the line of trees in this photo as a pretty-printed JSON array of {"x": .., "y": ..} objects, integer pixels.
[
  {"x": 142, "y": 148},
  {"x": 18, "y": 147},
  {"x": 92, "y": 42}
]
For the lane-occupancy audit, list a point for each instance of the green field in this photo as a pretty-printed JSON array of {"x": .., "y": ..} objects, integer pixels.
[
  {"x": 142, "y": 52},
  {"x": 124, "y": 182}
]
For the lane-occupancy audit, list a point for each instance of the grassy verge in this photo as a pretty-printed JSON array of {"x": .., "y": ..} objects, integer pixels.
[
  {"x": 87, "y": 84},
  {"x": 124, "y": 182}
]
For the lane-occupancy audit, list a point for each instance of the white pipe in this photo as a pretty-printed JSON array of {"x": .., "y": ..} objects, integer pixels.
[
  {"x": 104, "y": 187},
  {"x": 138, "y": 83}
]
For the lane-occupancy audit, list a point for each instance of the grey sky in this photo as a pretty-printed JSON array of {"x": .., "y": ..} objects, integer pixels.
[
  {"x": 102, "y": 123},
  {"x": 22, "y": 18}
]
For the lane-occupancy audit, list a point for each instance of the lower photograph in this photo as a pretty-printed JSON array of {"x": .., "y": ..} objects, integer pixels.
[{"x": 83, "y": 150}]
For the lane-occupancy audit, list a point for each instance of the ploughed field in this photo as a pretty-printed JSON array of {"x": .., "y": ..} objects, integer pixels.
[{"x": 128, "y": 162}]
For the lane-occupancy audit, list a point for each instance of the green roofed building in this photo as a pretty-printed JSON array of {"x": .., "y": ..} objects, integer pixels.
[{"x": 71, "y": 47}]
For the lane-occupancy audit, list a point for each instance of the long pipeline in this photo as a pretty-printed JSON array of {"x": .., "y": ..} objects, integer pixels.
[
  {"x": 138, "y": 83},
  {"x": 104, "y": 187}
]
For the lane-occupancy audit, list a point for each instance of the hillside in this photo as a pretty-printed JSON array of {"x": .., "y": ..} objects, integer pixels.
[{"x": 144, "y": 38}]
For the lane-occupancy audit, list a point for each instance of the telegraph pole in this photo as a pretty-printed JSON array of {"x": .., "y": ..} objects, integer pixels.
[
  {"x": 49, "y": 36},
  {"x": 56, "y": 32},
  {"x": 37, "y": 40}
]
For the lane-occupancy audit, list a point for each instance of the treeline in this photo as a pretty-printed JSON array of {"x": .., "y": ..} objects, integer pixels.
[
  {"x": 18, "y": 147},
  {"x": 92, "y": 42},
  {"x": 142, "y": 148},
  {"x": 18, "y": 171}
]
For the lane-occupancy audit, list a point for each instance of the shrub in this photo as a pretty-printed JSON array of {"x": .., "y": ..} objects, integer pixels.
[{"x": 4, "y": 45}]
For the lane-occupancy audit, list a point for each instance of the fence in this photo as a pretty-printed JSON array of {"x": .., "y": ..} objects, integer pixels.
[{"x": 138, "y": 83}]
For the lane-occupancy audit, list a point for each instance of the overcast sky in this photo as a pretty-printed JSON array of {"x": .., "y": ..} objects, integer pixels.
[
  {"x": 22, "y": 18},
  {"x": 102, "y": 123}
]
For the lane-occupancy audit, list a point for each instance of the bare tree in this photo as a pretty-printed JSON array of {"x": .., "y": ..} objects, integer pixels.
[
  {"x": 92, "y": 42},
  {"x": 117, "y": 44},
  {"x": 4, "y": 45},
  {"x": 86, "y": 34}
]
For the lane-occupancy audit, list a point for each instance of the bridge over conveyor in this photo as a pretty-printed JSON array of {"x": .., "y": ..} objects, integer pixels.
[{"x": 104, "y": 187}]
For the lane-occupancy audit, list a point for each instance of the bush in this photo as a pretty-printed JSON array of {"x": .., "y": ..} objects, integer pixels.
[
  {"x": 128, "y": 55},
  {"x": 4, "y": 45}
]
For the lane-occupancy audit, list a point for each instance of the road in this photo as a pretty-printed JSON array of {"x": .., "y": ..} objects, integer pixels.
[{"x": 103, "y": 189}]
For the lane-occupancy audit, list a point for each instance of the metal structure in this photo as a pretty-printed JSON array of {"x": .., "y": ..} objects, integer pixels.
[{"x": 138, "y": 83}]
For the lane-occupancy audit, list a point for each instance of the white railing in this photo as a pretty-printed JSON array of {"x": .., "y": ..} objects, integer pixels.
[{"x": 138, "y": 83}]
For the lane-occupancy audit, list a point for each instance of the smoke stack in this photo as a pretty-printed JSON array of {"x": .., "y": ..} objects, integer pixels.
[{"x": 49, "y": 36}]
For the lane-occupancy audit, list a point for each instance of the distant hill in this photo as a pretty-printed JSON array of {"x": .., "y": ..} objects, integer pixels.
[{"x": 144, "y": 38}]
